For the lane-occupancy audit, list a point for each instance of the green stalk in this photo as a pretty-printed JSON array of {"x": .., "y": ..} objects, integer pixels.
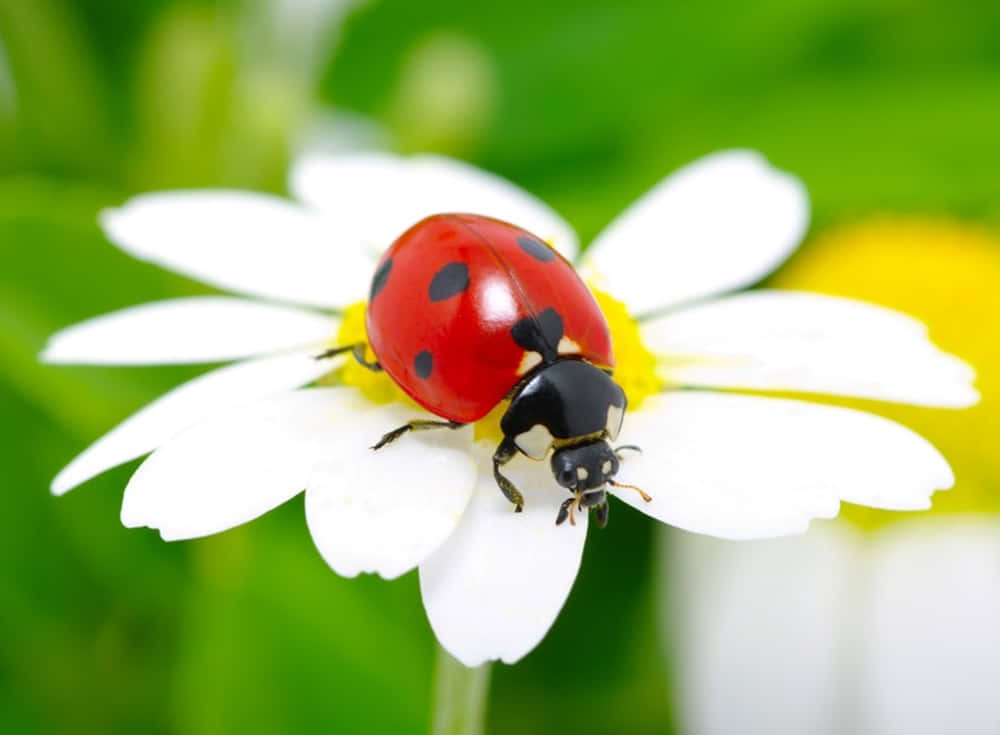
[{"x": 460, "y": 695}]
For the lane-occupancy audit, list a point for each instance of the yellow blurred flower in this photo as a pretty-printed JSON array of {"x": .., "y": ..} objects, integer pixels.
[
  {"x": 947, "y": 274},
  {"x": 843, "y": 629}
]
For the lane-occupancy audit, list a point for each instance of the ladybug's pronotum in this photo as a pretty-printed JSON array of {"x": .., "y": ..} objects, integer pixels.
[{"x": 465, "y": 311}]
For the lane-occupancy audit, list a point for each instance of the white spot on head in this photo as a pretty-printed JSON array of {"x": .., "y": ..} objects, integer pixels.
[
  {"x": 616, "y": 415},
  {"x": 606, "y": 467},
  {"x": 534, "y": 442},
  {"x": 528, "y": 362},
  {"x": 581, "y": 473},
  {"x": 568, "y": 347}
]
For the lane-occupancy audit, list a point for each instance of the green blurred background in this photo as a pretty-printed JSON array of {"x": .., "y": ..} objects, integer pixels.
[{"x": 888, "y": 106}]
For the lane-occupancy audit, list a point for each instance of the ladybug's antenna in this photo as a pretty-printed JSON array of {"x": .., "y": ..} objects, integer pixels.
[
  {"x": 630, "y": 447},
  {"x": 626, "y": 447},
  {"x": 644, "y": 495}
]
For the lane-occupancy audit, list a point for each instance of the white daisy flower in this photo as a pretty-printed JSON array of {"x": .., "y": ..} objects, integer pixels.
[
  {"x": 876, "y": 622},
  {"x": 838, "y": 630},
  {"x": 242, "y": 439}
]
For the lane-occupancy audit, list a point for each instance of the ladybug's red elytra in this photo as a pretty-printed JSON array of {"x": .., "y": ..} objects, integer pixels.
[{"x": 465, "y": 311}]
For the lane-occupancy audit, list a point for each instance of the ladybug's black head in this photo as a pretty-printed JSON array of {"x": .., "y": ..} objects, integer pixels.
[
  {"x": 584, "y": 467},
  {"x": 585, "y": 470}
]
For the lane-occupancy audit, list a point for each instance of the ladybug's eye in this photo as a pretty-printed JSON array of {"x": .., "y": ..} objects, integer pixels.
[{"x": 566, "y": 477}]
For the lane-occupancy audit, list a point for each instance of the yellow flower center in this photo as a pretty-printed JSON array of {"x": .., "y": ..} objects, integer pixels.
[
  {"x": 375, "y": 386},
  {"x": 635, "y": 365},
  {"x": 635, "y": 370},
  {"x": 948, "y": 275}
]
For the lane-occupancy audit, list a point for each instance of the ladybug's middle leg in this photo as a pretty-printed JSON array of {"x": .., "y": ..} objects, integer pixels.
[
  {"x": 357, "y": 350},
  {"x": 504, "y": 454},
  {"x": 415, "y": 425}
]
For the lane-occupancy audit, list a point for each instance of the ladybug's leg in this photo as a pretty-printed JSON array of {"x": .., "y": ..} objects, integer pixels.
[
  {"x": 504, "y": 454},
  {"x": 601, "y": 514},
  {"x": 566, "y": 511},
  {"x": 357, "y": 349},
  {"x": 583, "y": 502},
  {"x": 598, "y": 502},
  {"x": 416, "y": 425}
]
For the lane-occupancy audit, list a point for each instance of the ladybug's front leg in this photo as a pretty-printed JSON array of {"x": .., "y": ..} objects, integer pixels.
[
  {"x": 601, "y": 514},
  {"x": 504, "y": 454}
]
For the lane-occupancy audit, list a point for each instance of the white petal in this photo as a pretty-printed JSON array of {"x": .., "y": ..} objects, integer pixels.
[
  {"x": 749, "y": 467},
  {"x": 244, "y": 242},
  {"x": 931, "y": 657},
  {"x": 896, "y": 634},
  {"x": 787, "y": 340},
  {"x": 758, "y": 629},
  {"x": 496, "y": 586},
  {"x": 185, "y": 405},
  {"x": 382, "y": 194},
  {"x": 722, "y": 222},
  {"x": 199, "y": 329},
  {"x": 387, "y": 511},
  {"x": 239, "y": 464}
]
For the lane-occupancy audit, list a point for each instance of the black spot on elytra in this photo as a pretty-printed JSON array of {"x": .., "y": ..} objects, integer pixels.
[
  {"x": 452, "y": 279},
  {"x": 379, "y": 279},
  {"x": 536, "y": 249},
  {"x": 423, "y": 363},
  {"x": 540, "y": 334}
]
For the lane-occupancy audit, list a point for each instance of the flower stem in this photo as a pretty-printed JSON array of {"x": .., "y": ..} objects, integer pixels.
[{"x": 460, "y": 695}]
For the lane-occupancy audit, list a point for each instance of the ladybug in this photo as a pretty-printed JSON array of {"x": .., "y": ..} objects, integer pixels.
[{"x": 466, "y": 311}]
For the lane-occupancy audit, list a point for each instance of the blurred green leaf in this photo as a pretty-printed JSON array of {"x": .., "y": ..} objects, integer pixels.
[
  {"x": 876, "y": 105},
  {"x": 62, "y": 99}
]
